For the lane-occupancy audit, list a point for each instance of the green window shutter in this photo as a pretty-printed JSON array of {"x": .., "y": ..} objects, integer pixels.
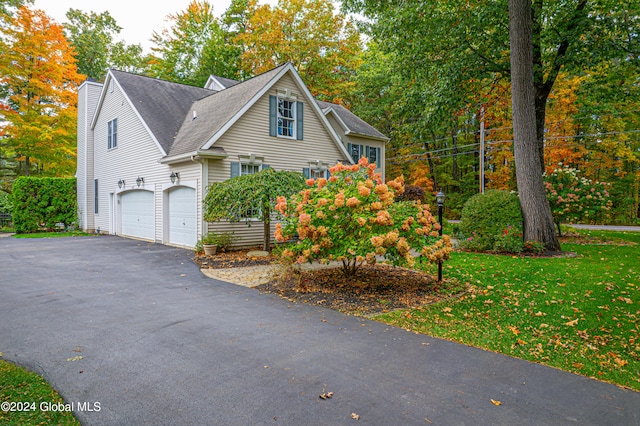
[
  {"x": 378, "y": 160},
  {"x": 299, "y": 120},
  {"x": 327, "y": 174},
  {"x": 235, "y": 169},
  {"x": 306, "y": 171},
  {"x": 349, "y": 147},
  {"x": 273, "y": 115}
]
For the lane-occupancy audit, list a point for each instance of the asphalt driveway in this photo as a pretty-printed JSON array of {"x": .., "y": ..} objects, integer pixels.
[{"x": 162, "y": 344}]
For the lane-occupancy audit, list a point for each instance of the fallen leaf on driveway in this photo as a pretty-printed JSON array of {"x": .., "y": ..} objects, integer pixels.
[
  {"x": 75, "y": 358},
  {"x": 355, "y": 416},
  {"x": 494, "y": 402}
]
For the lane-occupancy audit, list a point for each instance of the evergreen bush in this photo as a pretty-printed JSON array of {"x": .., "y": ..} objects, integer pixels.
[
  {"x": 492, "y": 222},
  {"x": 42, "y": 203}
]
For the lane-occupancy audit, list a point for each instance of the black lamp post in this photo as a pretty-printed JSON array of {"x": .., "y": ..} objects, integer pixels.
[{"x": 440, "y": 199}]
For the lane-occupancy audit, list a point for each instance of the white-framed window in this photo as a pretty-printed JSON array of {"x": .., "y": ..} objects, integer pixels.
[
  {"x": 112, "y": 134},
  {"x": 356, "y": 151},
  {"x": 286, "y": 118},
  {"x": 317, "y": 173},
  {"x": 374, "y": 153},
  {"x": 249, "y": 169},
  {"x": 316, "y": 169}
]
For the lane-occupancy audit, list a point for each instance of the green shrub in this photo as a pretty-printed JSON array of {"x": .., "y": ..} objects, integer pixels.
[
  {"x": 223, "y": 240},
  {"x": 5, "y": 202},
  {"x": 42, "y": 203},
  {"x": 489, "y": 219}
]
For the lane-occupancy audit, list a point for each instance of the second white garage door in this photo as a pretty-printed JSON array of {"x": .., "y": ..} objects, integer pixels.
[
  {"x": 182, "y": 217},
  {"x": 138, "y": 214}
]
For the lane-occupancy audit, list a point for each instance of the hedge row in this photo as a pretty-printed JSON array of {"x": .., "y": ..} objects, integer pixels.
[{"x": 42, "y": 203}]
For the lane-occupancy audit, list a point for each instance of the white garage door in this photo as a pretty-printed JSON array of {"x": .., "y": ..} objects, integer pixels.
[
  {"x": 182, "y": 217},
  {"x": 138, "y": 214}
]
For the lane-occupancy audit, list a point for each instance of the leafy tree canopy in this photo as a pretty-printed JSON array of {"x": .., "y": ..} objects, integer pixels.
[
  {"x": 38, "y": 87},
  {"x": 93, "y": 37},
  {"x": 324, "y": 46},
  {"x": 194, "y": 47}
]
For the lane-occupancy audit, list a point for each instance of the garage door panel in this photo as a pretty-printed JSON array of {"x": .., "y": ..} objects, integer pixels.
[
  {"x": 138, "y": 214},
  {"x": 183, "y": 217}
]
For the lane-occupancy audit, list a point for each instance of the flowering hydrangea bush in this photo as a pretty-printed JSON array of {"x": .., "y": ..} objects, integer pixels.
[
  {"x": 352, "y": 218},
  {"x": 576, "y": 199}
]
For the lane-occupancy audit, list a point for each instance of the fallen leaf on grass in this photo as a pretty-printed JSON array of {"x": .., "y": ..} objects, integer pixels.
[
  {"x": 494, "y": 402},
  {"x": 625, "y": 299},
  {"x": 572, "y": 323},
  {"x": 75, "y": 358},
  {"x": 447, "y": 309}
]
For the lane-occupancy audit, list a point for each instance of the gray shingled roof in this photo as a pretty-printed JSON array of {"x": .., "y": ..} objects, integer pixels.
[
  {"x": 163, "y": 105},
  {"x": 354, "y": 123},
  {"x": 226, "y": 82},
  {"x": 215, "y": 111}
]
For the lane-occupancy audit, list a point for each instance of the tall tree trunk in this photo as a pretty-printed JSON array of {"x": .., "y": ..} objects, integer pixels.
[
  {"x": 266, "y": 246},
  {"x": 26, "y": 165},
  {"x": 538, "y": 221}
]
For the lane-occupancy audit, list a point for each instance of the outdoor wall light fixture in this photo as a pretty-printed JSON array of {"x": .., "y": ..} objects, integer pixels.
[
  {"x": 440, "y": 200},
  {"x": 174, "y": 177},
  {"x": 120, "y": 183},
  {"x": 140, "y": 180}
]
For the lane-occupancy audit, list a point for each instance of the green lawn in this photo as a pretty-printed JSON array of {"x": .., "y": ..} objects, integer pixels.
[
  {"x": 52, "y": 234},
  {"x": 25, "y": 391},
  {"x": 578, "y": 314}
]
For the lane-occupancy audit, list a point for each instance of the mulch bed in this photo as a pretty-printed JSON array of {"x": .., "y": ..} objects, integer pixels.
[
  {"x": 375, "y": 289},
  {"x": 231, "y": 259}
]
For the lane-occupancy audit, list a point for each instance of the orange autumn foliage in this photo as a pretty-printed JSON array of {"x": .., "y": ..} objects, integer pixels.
[{"x": 38, "y": 71}]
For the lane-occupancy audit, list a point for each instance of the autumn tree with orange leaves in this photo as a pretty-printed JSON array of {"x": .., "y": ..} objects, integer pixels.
[
  {"x": 38, "y": 84},
  {"x": 323, "y": 45}
]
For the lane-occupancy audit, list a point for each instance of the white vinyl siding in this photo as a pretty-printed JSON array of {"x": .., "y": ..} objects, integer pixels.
[
  {"x": 137, "y": 156},
  {"x": 88, "y": 96}
]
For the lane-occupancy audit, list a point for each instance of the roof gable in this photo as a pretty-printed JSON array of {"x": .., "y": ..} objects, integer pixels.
[
  {"x": 214, "y": 115},
  {"x": 351, "y": 122},
  {"x": 161, "y": 105},
  {"x": 219, "y": 83}
]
